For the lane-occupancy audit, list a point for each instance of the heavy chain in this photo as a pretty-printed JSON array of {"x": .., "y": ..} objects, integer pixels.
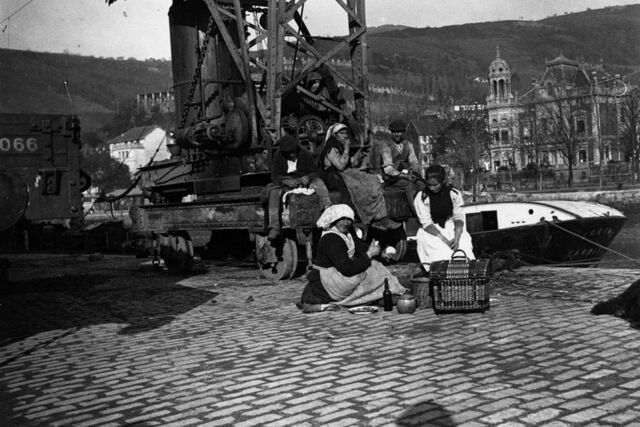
[{"x": 197, "y": 74}]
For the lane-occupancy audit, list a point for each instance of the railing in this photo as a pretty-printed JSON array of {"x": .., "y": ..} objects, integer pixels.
[{"x": 613, "y": 176}]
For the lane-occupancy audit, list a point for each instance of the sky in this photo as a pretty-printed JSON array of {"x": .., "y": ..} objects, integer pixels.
[{"x": 140, "y": 28}]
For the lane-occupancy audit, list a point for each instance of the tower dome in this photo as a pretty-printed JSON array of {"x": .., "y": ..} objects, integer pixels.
[{"x": 500, "y": 78}]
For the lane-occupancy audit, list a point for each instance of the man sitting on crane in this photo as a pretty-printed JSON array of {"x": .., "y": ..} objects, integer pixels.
[
  {"x": 400, "y": 166},
  {"x": 293, "y": 167}
]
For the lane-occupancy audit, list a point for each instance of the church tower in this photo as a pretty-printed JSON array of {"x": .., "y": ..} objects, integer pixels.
[
  {"x": 500, "y": 80},
  {"x": 502, "y": 113}
]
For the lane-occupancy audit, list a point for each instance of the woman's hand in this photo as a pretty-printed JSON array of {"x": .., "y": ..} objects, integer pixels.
[
  {"x": 374, "y": 249},
  {"x": 455, "y": 243},
  {"x": 450, "y": 243}
]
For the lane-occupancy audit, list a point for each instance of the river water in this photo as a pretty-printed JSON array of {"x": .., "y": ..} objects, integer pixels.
[{"x": 627, "y": 242}]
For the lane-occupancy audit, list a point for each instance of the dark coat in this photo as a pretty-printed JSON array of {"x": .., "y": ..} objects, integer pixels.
[
  {"x": 332, "y": 252},
  {"x": 306, "y": 166}
]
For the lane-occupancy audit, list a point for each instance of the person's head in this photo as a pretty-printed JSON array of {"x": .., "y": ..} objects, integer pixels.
[
  {"x": 339, "y": 131},
  {"x": 340, "y": 216},
  {"x": 435, "y": 176},
  {"x": 314, "y": 81},
  {"x": 343, "y": 224},
  {"x": 289, "y": 147},
  {"x": 397, "y": 128}
]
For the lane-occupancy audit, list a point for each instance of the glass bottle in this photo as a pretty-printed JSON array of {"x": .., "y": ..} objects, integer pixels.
[{"x": 387, "y": 300}]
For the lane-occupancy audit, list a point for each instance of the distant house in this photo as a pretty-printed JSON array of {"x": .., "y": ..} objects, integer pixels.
[
  {"x": 427, "y": 127},
  {"x": 164, "y": 102},
  {"x": 137, "y": 146}
]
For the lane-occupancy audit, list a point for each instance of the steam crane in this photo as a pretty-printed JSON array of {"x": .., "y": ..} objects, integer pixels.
[{"x": 243, "y": 73}]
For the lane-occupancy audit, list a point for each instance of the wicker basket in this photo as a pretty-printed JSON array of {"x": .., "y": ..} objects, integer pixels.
[{"x": 460, "y": 285}]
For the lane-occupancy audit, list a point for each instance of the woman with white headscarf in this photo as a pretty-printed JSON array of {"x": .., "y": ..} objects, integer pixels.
[
  {"x": 357, "y": 188},
  {"x": 344, "y": 271}
]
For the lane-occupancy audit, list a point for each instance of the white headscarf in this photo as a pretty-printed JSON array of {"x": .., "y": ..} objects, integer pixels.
[
  {"x": 333, "y": 129},
  {"x": 334, "y": 213}
]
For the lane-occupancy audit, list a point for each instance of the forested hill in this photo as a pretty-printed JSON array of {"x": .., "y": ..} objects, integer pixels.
[
  {"x": 450, "y": 58},
  {"x": 441, "y": 63},
  {"x": 95, "y": 88}
]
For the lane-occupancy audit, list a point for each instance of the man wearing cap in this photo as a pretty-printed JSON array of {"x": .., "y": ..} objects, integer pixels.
[
  {"x": 400, "y": 165},
  {"x": 292, "y": 167}
]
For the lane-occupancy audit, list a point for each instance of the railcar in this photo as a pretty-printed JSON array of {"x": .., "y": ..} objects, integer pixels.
[{"x": 40, "y": 176}]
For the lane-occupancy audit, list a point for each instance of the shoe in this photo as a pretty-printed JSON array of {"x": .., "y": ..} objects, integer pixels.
[
  {"x": 419, "y": 273},
  {"x": 273, "y": 234}
]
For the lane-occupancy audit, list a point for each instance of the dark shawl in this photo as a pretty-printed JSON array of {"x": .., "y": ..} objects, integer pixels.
[
  {"x": 332, "y": 252},
  {"x": 440, "y": 204}
]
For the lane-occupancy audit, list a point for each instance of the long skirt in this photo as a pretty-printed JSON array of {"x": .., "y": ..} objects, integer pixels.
[
  {"x": 430, "y": 248},
  {"x": 366, "y": 194},
  {"x": 362, "y": 288}
]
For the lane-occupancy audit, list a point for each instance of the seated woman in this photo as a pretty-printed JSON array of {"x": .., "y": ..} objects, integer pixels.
[
  {"x": 442, "y": 230},
  {"x": 344, "y": 272},
  {"x": 357, "y": 188}
]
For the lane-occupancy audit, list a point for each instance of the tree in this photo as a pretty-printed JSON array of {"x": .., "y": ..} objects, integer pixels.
[
  {"x": 127, "y": 116},
  {"x": 630, "y": 127},
  {"x": 560, "y": 128},
  {"x": 106, "y": 173},
  {"x": 530, "y": 140},
  {"x": 461, "y": 144}
]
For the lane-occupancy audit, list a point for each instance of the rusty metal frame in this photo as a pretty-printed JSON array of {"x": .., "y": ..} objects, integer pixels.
[{"x": 283, "y": 12}]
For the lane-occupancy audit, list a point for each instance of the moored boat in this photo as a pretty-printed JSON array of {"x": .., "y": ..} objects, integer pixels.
[{"x": 544, "y": 232}]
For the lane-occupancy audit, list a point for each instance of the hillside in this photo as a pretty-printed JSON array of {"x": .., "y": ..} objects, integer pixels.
[
  {"x": 609, "y": 35},
  {"x": 439, "y": 63},
  {"x": 457, "y": 54},
  {"x": 97, "y": 87}
]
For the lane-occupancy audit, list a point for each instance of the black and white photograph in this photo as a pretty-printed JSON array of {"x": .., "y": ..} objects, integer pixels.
[{"x": 319, "y": 213}]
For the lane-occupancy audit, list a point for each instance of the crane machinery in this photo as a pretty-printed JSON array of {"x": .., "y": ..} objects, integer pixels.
[{"x": 243, "y": 74}]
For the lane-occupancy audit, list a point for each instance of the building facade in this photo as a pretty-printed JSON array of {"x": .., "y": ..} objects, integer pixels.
[
  {"x": 570, "y": 115},
  {"x": 137, "y": 146},
  {"x": 164, "y": 102}
]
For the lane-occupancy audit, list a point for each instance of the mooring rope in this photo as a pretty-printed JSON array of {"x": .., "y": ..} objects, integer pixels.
[{"x": 593, "y": 243}]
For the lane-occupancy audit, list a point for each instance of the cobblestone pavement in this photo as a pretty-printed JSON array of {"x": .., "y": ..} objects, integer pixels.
[{"x": 108, "y": 343}]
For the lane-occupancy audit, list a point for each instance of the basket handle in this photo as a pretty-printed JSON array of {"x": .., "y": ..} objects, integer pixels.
[{"x": 457, "y": 257}]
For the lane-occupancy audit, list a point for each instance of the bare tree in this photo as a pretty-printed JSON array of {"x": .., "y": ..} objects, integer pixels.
[
  {"x": 558, "y": 126},
  {"x": 530, "y": 140},
  {"x": 461, "y": 145},
  {"x": 597, "y": 133},
  {"x": 630, "y": 128}
]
